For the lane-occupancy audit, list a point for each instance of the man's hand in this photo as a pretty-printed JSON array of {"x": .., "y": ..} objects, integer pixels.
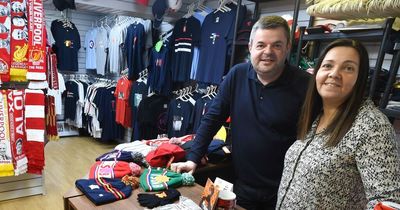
[{"x": 188, "y": 166}]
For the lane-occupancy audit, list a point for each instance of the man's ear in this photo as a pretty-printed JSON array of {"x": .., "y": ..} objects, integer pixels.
[
  {"x": 289, "y": 46},
  {"x": 249, "y": 46}
]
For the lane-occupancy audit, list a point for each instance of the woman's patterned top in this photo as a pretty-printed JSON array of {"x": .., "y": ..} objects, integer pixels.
[{"x": 363, "y": 169}]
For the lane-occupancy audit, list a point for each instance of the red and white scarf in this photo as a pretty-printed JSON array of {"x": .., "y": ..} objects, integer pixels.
[
  {"x": 15, "y": 100},
  {"x": 37, "y": 41},
  {"x": 19, "y": 41},
  {"x": 5, "y": 22},
  {"x": 35, "y": 129}
]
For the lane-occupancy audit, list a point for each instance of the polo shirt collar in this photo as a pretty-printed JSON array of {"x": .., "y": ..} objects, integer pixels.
[{"x": 283, "y": 78}]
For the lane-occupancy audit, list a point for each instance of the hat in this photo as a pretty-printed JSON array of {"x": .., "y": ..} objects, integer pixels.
[
  {"x": 157, "y": 179},
  {"x": 166, "y": 152},
  {"x": 104, "y": 190},
  {"x": 113, "y": 169},
  {"x": 159, "y": 7},
  {"x": 174, "y": 5}
]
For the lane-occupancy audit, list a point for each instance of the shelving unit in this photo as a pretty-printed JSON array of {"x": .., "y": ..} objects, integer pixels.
[{"x": 387, "y": 46}]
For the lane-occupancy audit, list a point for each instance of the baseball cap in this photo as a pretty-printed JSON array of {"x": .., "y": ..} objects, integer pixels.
[{"x": 159, "y": 7}]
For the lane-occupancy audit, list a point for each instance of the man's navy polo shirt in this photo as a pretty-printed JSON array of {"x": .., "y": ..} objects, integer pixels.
[{"x": 263, "y": 122}]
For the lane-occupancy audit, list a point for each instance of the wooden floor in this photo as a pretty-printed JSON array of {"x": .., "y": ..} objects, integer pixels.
[{"x": 66, "y": 160}]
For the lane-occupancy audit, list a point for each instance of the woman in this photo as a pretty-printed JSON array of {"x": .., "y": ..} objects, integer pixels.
[{"x": 347, "y": 156}]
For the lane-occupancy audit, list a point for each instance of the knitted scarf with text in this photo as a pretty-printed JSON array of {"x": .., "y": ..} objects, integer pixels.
[
  {"x": 37, "y": 41},
  {"x": 15, "y": 100},
  {"x": 6, "y": 166},
  {"x": 35, "y": 129},
  {"x": 5, "y": 25},
  {"x": 19, "y": 41}
]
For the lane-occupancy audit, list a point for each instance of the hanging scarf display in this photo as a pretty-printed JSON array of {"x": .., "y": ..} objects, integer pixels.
[
  {"x": 35, "y": 126},
  {"x": 52, "y": 72},
  {"x": 6, "y": 166},
  {"x": 5, "y": 26},
  {"x": 15, "y": 100},
  {"x": 19, "y": 41},
  {"x": 37, "y": 41},
  {"x": 51, "y": 120}
]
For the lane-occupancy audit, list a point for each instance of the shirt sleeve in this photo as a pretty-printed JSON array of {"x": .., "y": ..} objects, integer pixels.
[
  {"x": 213, "y": 120},
  {"x": 378, "y": 163}
]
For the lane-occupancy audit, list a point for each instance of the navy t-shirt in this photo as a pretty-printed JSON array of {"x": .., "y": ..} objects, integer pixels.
[
  {"x": 138, "y": 92},
  {"x": 200, "y": 109},
  {"x": 152, "y": 116},
  {"x": 214, "y": 34},
  {"x": 71, "y": 88},
  {"x": 179, "y": 115},
  {"x": 134, "y": 48},
  {"x": 66, "y": 46},
  {"x": 185, "y": 36},
  {"x": 159, "y": 71}
]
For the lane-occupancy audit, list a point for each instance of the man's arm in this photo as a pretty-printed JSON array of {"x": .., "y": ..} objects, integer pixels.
[{"x": 212, "y": 121}]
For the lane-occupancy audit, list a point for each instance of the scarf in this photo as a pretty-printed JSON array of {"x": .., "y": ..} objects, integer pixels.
[
  {"x": 15, "y": 100},
  {"x": 19, "y": 41},
  {"x": 6, "y": 166},
  {"x": 5, "y": 22},
  {"x": 35, "y": 126},
  {"x": 37, "y": 41}
]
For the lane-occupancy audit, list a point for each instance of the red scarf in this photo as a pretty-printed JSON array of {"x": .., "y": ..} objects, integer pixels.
[
  {"x": 37, "y": 41},
  {"x": 19, "y": 41},
  {"x": 35, "y": 127},
  {"x": 5, "y": 44}
]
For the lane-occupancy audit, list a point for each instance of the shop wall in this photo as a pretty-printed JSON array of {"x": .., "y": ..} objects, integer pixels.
[{"x": 82, "y": 20}]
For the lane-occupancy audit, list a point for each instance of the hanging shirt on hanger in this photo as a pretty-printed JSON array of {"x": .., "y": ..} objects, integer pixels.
[
  {"x": 134, "y": 47},
  {"x": 67, "y": 45},
  {"x": 90, "y": 47},
  {"x": 185, "y": 37},
  {"x": 101, "y": 43}
]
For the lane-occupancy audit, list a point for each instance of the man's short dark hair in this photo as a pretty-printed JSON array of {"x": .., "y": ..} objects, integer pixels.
[{"x": 271, "y": 22}]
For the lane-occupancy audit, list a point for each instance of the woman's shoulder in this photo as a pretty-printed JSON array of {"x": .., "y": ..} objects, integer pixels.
[{"x": 370, "y": 114}]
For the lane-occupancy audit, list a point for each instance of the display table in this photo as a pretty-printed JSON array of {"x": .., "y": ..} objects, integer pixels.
[{"x": 75, "y": 199}]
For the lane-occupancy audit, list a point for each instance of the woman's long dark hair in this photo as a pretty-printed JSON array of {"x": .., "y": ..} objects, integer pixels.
[{"x": 347, "y": 112}]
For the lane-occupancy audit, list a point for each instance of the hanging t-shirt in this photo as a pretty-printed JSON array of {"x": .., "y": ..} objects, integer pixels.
[
  {"x": 101, "y": 43},
  {"x": 179, "y": 114},
  {"x": 114, "y": 47},
  {"x": 139, "y": 91},
  {"x": 123, "y": 108},
  {"x": 215, "y": 37},
  {"x": 152, "y": 116},
  {"x": 200, "y": 109},
  {"x": 159, "y": 80},
  {"x": 134, "y": 47},
  {"x": 90, "y": 47},
  {"x": 199, "y": 15},
  {"x": 66, "y": 46},
  {"x": 185, "y": 36}
]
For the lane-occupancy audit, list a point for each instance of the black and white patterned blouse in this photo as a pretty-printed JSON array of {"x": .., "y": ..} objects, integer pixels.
[{"x": 363, "y": 169}]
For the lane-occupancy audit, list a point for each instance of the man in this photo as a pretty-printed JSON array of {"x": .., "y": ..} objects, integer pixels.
[{"x": 263, "y": 99}]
